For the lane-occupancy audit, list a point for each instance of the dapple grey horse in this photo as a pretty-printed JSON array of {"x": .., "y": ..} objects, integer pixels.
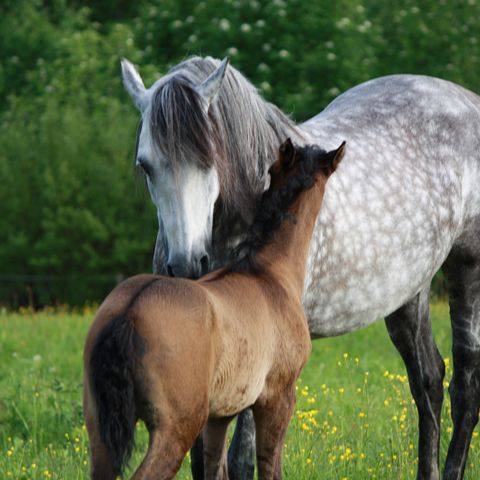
[{"x": 404, "y": 203}]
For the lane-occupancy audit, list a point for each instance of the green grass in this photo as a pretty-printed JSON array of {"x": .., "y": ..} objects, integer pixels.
[{"x": 354, "y": 417}]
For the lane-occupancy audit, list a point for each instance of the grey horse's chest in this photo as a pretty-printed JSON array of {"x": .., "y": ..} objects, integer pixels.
[{"x": 390, "y": 215}]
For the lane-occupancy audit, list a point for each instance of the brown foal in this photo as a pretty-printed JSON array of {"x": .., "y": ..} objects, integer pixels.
[{"x": 186, "y": 356}]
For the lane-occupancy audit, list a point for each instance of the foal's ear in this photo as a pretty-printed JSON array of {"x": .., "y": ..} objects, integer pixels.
[
  {"x": 285, "y": 161},
  {"x": 287, "y": 155},
  {"x": 134, "y": 84},
  {"x": 333, "y": 158}
]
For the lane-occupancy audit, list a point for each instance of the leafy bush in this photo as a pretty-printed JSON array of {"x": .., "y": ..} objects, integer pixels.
[{"x": 72, "y": 219}]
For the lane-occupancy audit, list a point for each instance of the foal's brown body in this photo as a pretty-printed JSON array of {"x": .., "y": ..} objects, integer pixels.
[{"x": 207, "y": 349}]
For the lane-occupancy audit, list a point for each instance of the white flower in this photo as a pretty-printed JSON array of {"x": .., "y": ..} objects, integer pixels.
[
  {"x": 331, "y": 56},
  {"x": 265, "y": 86},
  {"x": 176, "y": 23},
  {"x": 232, "y": 51},
  {"x": 266, "y": 47},
  {"x": 263, "y": 67},
  {"x": 224, "y": 24},
  {"x": 245, "y": 27},
  {"x": 364, "y": 26},
  {"x": 37, "y": 358},
  {"x": 342, "y": 23},
  {"x": 334, "y": 91},
  {"x": 284, "y": 53},
  {"x": 260, "y": 23}
]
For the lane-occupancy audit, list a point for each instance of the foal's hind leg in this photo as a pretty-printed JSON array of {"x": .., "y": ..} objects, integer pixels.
[
  {"x": 410, "y": 330},
  {"x": 462, "y": 270},
  {"x": 101, "y": 465},
  {"x": 166, "y": 451}
]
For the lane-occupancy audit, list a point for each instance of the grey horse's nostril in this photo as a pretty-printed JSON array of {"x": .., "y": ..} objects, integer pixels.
[
  {"x": 170, "y": 271},
  {"x": 205, "y": 263}
]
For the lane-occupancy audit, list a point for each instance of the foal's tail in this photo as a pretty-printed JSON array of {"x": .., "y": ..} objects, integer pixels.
[{"x": 112, "y": 376}]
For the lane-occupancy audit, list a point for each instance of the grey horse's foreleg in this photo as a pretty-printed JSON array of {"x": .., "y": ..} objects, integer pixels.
[
  {"x": 462, "y": 270},
  {"x": 242, "y": 450},
  {"x": 196, "y": 457},
  {"x": 410, "y": 330}
]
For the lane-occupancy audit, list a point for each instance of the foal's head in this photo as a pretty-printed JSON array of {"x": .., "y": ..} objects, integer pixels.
[
  {"x": 304, "y": 165},
  {"x": 296, "y": 170}
]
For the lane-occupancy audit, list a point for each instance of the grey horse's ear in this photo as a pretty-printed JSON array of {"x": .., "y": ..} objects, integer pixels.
[
  {"x": 134, "y": 84},
  {"x": 210, "y": 87}
]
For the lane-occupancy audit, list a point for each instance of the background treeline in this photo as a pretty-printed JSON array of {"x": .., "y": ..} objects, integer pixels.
[{"x": 73, "y": 219}]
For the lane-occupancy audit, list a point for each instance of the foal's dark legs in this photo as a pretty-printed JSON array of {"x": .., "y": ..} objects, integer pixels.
[
  {"x": 240, "y": 454},
  {"x": 410, "y": 330},
  {"x": 462, "y": 270},
  {"x": 215, "y": 452},
  {"x": 272, "y": 417}
]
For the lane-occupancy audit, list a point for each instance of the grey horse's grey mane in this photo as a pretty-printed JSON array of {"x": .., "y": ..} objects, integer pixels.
[{"x": 239, "y": 135}]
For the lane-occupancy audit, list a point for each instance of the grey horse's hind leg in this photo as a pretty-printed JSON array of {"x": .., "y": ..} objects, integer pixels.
[
  {"x": 241, "y": 452},
  {"x": 462, "y": 270},
  {"x": 196, "y": 457},
  {"x": 410, "y": 330}
]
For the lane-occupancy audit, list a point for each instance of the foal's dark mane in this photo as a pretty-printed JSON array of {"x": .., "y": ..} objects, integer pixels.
[{"x": 273, "y": 207}]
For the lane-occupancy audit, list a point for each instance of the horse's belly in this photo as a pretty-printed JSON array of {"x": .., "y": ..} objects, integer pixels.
[
  {"x": 238, "y": 392},
  {"x": 243, "y": 365}
]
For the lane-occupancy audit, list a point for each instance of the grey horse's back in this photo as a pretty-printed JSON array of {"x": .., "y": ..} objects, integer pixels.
[{"x": 409, "y": 182}]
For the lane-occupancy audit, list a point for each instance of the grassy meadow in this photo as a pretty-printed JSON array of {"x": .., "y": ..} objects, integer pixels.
[{"x": 354, "y": 418}]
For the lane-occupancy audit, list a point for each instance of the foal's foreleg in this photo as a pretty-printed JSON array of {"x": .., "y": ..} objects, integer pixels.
[
  {"x": 272, "y": 417},
  {"x": 410, "y": 330},
  {"x": 215, "y": 452}
]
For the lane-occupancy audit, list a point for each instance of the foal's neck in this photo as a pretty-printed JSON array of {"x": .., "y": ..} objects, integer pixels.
[{"x": 285, "y": 258}]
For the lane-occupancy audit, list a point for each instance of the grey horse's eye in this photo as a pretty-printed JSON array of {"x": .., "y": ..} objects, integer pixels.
[{"x": 145, "y": 166}]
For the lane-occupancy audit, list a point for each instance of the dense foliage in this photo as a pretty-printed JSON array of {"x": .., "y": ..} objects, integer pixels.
[{"x": 72, "y": 217}]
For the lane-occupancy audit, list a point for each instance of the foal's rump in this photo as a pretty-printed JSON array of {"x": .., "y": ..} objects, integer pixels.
[{"x": 148, "y": 355}]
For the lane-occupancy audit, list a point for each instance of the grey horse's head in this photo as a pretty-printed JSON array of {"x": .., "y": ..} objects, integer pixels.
[
  {"x": 176, "y": 148},
  {"x": 206, "y": 134}
]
